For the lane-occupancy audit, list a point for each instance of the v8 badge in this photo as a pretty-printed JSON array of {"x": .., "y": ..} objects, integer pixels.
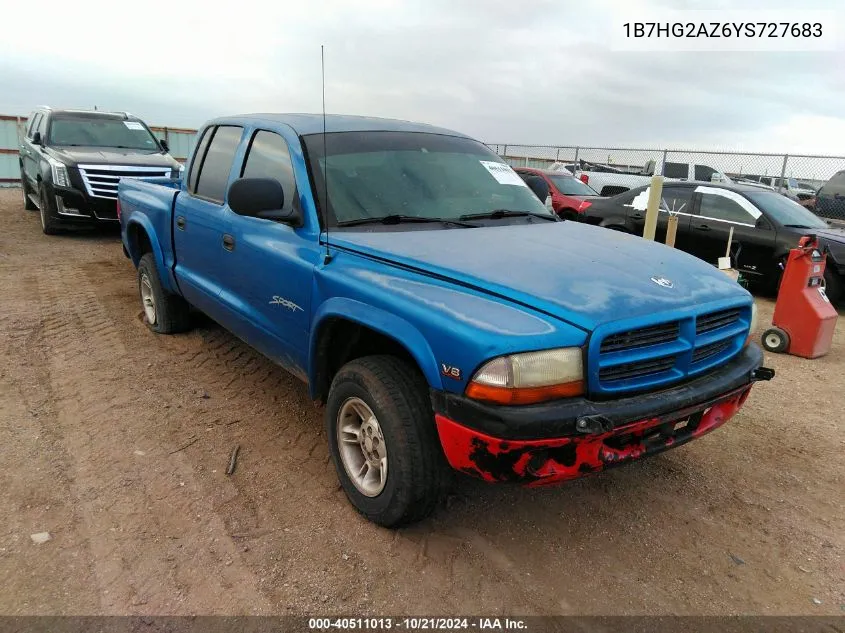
[{"x": 450, "y": 372}]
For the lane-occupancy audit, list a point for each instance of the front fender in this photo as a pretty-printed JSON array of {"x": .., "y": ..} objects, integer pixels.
[
  {"x": 381, "y": 321},
  {"x": 165, "y": 269}
]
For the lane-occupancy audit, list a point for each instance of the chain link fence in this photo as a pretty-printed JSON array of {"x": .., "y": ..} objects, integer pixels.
[{"x": 611, "y": 170}]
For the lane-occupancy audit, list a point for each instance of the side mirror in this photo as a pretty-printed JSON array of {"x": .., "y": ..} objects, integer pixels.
[
  {"x": 261, "y": 198},
  {"x": 715, "y": 177},
  {"x": 163, "y": 145},
  {"x": 36, "y": 138}
]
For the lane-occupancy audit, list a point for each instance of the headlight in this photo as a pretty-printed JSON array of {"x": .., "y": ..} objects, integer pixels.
[
  {"x": 60, "y": 177},
  {"x": 530, "y": 377},
  {"x": 753, "y": 326}
]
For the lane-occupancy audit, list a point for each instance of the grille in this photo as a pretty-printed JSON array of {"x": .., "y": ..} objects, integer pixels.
[
  {"x": 637, "y": 369},
  {"x": 101, "y": 180},
  {"x": 643, "y": 337},
  {"x": 713, "y": 321},
  {"x": 705, "y": 352}
]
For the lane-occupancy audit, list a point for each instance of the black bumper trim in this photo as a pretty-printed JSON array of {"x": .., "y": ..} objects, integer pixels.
[{"x": 559, "y": 419}]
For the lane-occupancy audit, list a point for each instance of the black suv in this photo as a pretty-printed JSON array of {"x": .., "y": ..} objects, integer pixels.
[{"x": 72, "y": 160}]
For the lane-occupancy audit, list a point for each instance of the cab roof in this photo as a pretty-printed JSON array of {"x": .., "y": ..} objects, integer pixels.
[{"x": 305, "y": 124}]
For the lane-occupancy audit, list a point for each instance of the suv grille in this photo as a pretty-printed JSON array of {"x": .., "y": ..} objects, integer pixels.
[
  {"x": 664, "y": 353},
  {"x": 101, "y": 180}
]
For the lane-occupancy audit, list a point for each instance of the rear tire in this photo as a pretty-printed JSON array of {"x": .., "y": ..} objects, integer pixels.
[
  {"x": 28, "y": 204},
  {"x": 397, "y": 396},
  {"x": 49, "y": 224},
  {"x": 775, "y": 340},
  {"x": 833, "y": 286},
  {"x": 164, "y": 313}
]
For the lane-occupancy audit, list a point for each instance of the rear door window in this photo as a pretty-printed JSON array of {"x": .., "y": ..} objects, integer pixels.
[
  {"x": 217, "y": 164},
  {"x": 199, "y": 154},
  {"x": 704, "y": 173},
  {"x": 676, "y": 200}
]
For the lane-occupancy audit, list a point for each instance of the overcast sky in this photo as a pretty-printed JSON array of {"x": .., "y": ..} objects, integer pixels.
[{"x": 504, "y": 71}]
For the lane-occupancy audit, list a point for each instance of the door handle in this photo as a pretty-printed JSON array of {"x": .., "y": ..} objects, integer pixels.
[
  {"x": 180, "y": 223},
  {"x": 702, "y": 227},
  {"x": 228, "y": 242},
  {"x": 636, "y": 216}
]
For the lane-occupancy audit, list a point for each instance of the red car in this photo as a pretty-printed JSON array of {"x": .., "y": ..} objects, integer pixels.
[{"x": 570, "y": 196}]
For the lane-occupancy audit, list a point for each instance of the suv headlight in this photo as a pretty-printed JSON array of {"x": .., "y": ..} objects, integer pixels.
[
  {"x": 530, "y": 377},
  {"x": 753, "y": 325},
  {"x": 60, "y": 177}
]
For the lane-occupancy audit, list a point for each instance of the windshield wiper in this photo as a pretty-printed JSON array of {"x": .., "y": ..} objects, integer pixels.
[
  {"x": 401, "y": 219},
  {"x": 508, "y": 213}
]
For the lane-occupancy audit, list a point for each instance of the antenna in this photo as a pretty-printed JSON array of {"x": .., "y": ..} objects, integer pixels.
[{"x": 328, "y": 256}]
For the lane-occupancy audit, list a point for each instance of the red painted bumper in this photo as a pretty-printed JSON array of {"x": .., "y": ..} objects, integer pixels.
[{"x": 549, "y": 461}]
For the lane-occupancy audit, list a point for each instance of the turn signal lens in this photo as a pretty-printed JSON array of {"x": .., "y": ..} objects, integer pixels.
[
  {"x": 585, "y": 204},
  {"x": 530, "y": 378}
]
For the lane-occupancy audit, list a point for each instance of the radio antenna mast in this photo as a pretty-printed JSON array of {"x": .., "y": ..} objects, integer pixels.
[{"x": 328, "y": 256}]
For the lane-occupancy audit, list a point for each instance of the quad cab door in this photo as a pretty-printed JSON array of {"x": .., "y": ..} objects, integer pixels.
[
  {"x": 201, "y": 222},
  {"x": 270, "y": 269}
]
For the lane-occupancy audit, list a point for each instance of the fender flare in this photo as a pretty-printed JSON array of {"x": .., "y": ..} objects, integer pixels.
[
  {"x": 381, "y": 321},
  {"x": 143, "y": 223}
]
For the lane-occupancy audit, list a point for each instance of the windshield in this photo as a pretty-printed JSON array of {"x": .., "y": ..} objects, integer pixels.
[
  {"x": 570, "y": 186},
  {"x": 380, "y": 174},
  {"x": 785, "y": 211},
  {"x": 101, "y": 132}
]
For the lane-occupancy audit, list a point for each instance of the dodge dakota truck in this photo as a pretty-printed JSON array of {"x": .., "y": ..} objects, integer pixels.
[{"x": 443, "y": 315}]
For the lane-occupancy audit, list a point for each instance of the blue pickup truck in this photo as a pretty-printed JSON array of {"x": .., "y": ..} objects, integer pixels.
[{"x": 443, "y": 315}]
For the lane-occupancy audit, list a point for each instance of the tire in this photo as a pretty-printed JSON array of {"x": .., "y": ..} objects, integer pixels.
[
  {"x": 49, "y": 224},
  {"x": 775, "y": 340},
  {"x": 833, "y": 286},
  {"x": 28, "y": 204},
  {"x": 164, "y": 313},
  {"x": 416, "y": 471}
]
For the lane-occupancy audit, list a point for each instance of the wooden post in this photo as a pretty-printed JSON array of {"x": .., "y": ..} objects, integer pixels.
[
  {"x": 671, "y": 230},
  {"x": 655, "y": 192}
]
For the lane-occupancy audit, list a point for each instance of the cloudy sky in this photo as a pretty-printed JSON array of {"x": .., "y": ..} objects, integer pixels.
[{"x": 535, "y": 71}]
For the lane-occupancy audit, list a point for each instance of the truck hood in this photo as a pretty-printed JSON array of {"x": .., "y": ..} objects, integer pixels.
[
  {"x": 582, "y": 274},
  {"x": 112, "y": 156}
]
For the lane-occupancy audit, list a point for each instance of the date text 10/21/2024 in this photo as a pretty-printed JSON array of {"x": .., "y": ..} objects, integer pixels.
[{"x": 418, "y": 624}]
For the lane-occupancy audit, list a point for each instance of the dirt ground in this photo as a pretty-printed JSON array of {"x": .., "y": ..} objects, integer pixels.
[{"x": 115, "y": 441}]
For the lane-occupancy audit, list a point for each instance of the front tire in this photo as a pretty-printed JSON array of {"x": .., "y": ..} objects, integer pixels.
[
  {"x": 164, "y": 313},
  {"x": 49, "y": 224},
  {"x": 28, "y": 204},
  {"x": 383, "y": 440},
  {"x": 833, "y": 285}
]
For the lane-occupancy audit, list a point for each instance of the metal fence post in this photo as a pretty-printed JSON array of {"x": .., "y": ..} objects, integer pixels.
[
  {"x": 505, "y": 153},
  {"x": 575, "y": 162},
  {"x": 557, "y": 155},
  {"x": 783, "y": 173},
  {"x": 663, "y": 164}
]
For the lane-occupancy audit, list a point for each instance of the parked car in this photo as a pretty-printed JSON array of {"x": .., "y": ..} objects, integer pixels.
[
  {"x": 443, "y": 314},
  {"x": 830, "y": 200},
  {"x": 71, "y": 161},
  {"x": 788, "y": 186},
  {"x": 766, "y": 226},
  {"x": 569, "y": 195},
  {"x": 610, "y": 184}
]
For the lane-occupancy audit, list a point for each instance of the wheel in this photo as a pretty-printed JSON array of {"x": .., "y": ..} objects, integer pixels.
[
  {"x": 383, "y": 440},
  {"x": 164, "y": 313},
  {"x": 833, "y": 286},
  {"x": 49, "y": 224},
  {"x": 775, "y": 340},
  {"x": 28, "y": 204}
]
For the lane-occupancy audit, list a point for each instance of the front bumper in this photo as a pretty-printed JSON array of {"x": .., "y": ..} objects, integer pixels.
[
  {"x": 549, "y": 443},
  {"x": 73, "y": 205}
]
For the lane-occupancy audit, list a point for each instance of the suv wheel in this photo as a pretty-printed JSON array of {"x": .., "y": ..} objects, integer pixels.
[
  {"x": 28, "y": 204},
  {"x": 383, "y": 440},
  {"x": 49, "y": 224},
  {"x": 164, "y": 313}
]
